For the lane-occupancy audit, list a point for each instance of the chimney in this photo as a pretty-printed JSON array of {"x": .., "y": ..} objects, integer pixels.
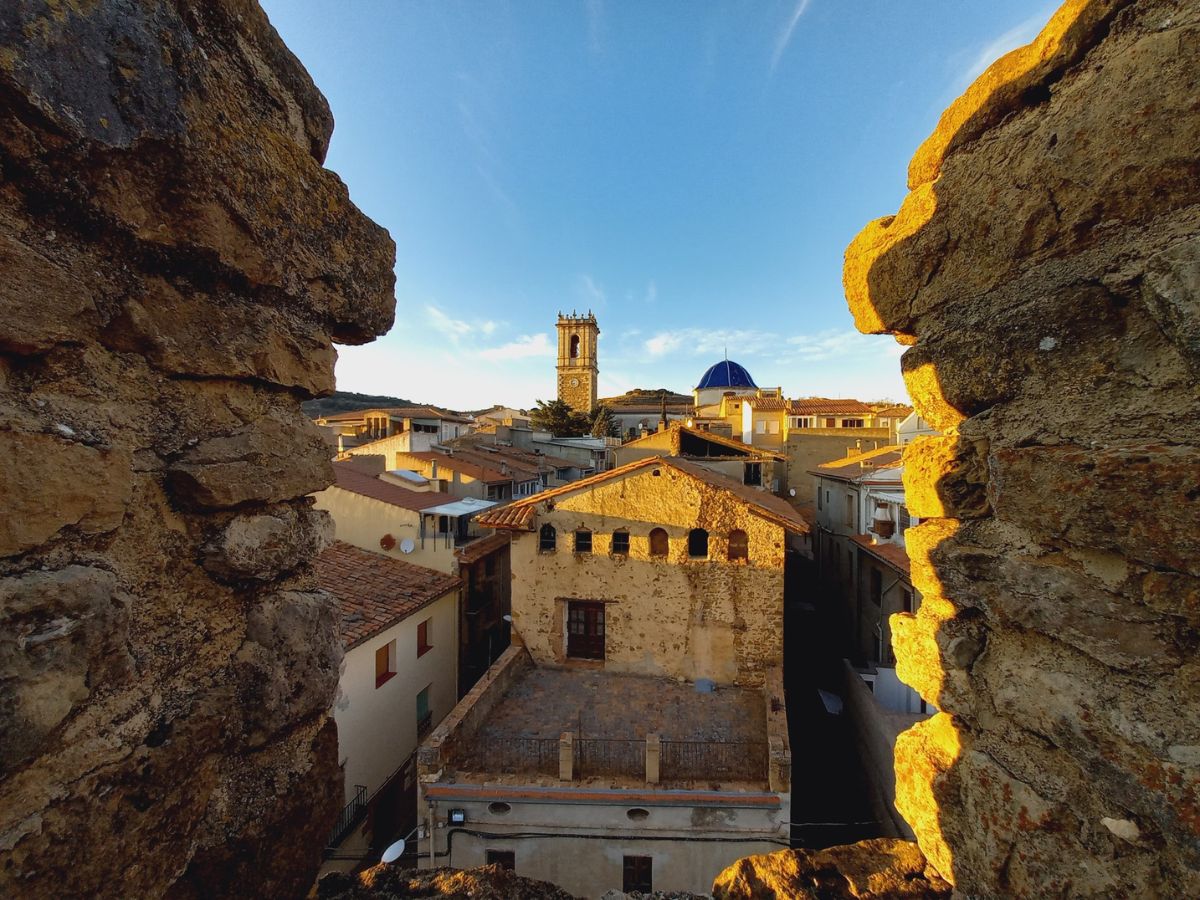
[
  {"x": 503, "y": 468},
  {"x": 433, "y": 471}
]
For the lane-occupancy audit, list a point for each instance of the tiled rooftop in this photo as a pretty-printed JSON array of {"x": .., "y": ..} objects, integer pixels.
[
  {"x": 892, "y": 554},
  {"x": 374, "y": 591},
  {"x": 855, "y": 464},
  {"x": 818, "y": 406},
  {"x": 521, "y": 514},
  {"x": 460, "y": 463},
  {"x": 352, "y": 478}
]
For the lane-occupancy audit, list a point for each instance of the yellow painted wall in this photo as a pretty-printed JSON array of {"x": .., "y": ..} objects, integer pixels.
[{"x": 676, "y": 617}]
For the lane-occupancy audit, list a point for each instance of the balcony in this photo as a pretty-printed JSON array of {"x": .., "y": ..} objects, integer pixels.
[{"x": 352, "y": 813}]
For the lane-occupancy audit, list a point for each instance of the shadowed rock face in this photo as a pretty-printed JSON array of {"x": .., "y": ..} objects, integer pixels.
[
  {"x": 176, "y": 264},
  {"x": 1045, "y": 270}
]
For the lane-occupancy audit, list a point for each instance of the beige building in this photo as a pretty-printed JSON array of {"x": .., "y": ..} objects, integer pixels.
[
  {"x": 635, "y": 737},
  {"x": 399, "y": 625},
  {"x": 411, "y": 427},
  {"x": 376, "y": 511}
]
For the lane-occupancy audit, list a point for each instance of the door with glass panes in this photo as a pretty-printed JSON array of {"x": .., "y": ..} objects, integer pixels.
[{"x": 585, "y": 629}]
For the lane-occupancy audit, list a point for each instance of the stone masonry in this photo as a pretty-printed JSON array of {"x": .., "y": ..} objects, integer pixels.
[
  {"x": 1045, "y": 271},
  {"x": 175, "y": 266}
]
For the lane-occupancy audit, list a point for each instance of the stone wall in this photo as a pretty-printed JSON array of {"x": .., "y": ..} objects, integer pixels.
[
  {"x": 673, "y": 617},
  {"x": 1045, "y": 271},
  {"x": 176, "y": 264}
]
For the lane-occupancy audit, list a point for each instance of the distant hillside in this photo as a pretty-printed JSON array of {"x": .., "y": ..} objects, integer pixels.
[{"x": 348, "y": 401}]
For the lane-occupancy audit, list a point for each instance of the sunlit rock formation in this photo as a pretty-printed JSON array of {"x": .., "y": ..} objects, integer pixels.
[
  {"x": 1045, "y": 270},
  {"x": 174, "y": 265}
]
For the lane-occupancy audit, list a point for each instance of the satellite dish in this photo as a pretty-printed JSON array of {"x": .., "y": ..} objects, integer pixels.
[
  {"x": 792, "y": 492},
  {"x": 394, "y": 852},
  {"x": 406, "y": 546}
]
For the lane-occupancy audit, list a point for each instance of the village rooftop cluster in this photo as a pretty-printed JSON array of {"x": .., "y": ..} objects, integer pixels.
[{"x": 564, "y": 654}]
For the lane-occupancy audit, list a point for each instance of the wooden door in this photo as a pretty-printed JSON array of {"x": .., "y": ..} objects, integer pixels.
[{"x": 585, "y": 629}]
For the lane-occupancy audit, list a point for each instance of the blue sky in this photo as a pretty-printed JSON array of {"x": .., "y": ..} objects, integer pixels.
[{"x": 691, "y": 172}]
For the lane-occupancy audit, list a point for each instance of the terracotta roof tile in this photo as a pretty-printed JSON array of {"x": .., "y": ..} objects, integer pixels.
[
  {"x": 374, "y": 592},
  {"x": 768, "y": 404},
  {"x": 857, "y": 464},
  {"x": 350, "y": 478},
  {"x": 678, "y": 428},
  {"x": 459, "y": 463},
  {"x": 820, "y": 406},
  {"x": 521, "y": 514},
  {"x": 892, "y": 554},
  {"x": 478, "y": 549}
]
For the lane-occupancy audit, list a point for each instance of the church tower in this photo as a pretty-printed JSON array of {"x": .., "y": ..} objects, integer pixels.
[{"x": 577, "y": 369}]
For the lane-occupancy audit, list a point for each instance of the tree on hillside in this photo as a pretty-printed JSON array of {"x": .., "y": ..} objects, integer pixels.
[
  {"x": 604, "y": 423},
  {"x": 558, "y": 418}
]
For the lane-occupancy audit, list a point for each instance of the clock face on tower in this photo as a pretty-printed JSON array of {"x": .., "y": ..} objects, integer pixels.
[{"x": 574, "y": 382}]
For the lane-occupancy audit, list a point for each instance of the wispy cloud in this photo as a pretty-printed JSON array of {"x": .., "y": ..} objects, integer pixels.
[
  {"x": 663, "y": 343},
  {"x": 746, "y": 344},
  {"x": 525, "y": 346},
  {"x": 456, "y": 329},
  {"x": 837, "y": 343},
  {"x": 591, "y": 293},
  {"x": 785, "y": 36},
  {"x": 651, "y": 292},
  {"x": 976, "y": 61},
  {"x": 595, "y": 25}
]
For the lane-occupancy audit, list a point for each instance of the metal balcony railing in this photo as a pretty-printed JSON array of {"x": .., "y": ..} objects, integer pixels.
[
  {"x": 716, "y": 760},
  {"x": 511, "y": 755},
  {"x": 352, "y": 813}
]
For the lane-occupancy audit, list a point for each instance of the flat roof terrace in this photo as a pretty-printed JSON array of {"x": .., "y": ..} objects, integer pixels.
[{"x": 619, "y": 730}]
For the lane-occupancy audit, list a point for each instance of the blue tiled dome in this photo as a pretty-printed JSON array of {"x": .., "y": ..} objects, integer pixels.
[{"x": 726, "y": 374}]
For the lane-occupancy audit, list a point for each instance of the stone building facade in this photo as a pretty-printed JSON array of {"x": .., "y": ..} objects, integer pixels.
[
  {"x": 687, "y": 565},
  {"x": 578, "y": 365}
]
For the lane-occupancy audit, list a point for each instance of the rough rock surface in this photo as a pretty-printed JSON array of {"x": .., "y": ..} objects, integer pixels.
[
  {"x": 483, "y": 883},
  {"x": 176, "y": 263},
  {"x": 879, "y": 869},
  {"x": 1045, "y": 271}
]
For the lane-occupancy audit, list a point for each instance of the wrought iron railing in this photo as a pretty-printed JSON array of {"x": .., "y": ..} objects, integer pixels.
[
  {"x": 716, "y": 760},
  {"x": 511, "y": 755},
  {"x": 602, "y": 756},
  {"x": 352, "y": 813}
]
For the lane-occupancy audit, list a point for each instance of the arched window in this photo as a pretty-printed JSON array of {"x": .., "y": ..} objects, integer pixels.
[
  {"x": 739, "y": 545},
  {"x": 583, "y": 541},
  {"x": 574, "y": 346},
  {"x": 698, "y": 543},
  {"x": 658, "y": 542},
  {"x": 547, "y": 539}
]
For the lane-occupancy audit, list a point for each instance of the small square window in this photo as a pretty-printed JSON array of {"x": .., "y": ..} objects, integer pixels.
[
  {"x": 423, "y": 637},
  {"x": 385, "y": 663},
  {"x": 505, "y": 859},
  {"x": 583, "y": 541},
  {"x": 620, "y": 543}
]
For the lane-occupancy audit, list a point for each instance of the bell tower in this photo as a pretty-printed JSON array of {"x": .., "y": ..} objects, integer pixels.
[{"x": 577, "y": 369}]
